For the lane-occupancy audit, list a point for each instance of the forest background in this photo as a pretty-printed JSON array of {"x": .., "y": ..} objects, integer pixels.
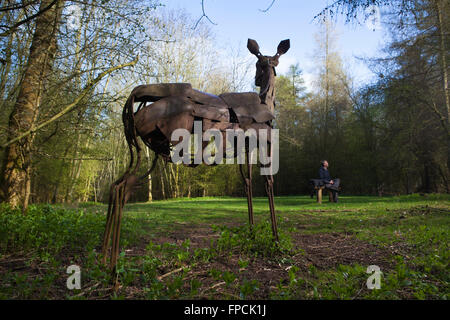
[{"x": 67, "y": 67}]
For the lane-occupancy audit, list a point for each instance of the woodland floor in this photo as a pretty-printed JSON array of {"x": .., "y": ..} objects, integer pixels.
[{"x": 203, "y": 249}]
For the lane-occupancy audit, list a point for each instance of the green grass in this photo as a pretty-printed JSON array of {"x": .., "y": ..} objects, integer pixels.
[{"x": 410, "y": 231}]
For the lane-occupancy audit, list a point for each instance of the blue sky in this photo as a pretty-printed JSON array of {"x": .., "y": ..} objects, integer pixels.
[{"x": 238, "y": 20}]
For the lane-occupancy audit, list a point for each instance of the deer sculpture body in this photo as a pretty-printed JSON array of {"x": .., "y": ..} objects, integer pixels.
[{"x": 177, "y": 106}]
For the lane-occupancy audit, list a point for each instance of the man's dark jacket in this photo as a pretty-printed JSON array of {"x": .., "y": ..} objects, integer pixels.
[{"x": 324, "y": 175}]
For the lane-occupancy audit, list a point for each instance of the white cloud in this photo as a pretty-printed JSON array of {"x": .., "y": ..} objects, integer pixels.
[
  {"x": 285, "y": 63},
  {"x": 309, "y": 80}
]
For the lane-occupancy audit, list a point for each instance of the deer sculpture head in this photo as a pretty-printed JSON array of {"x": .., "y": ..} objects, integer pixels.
[{"x": 265, "y": 71}]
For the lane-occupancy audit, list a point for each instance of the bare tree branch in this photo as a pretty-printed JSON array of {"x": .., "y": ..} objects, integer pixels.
[
  {"x": 268, "y": 8},
  {"x": 353, "y": 8},
  {"x": 18, "y": 6},
  {"x": 72, "y": 105},
  {"x": 18, "y": 24},
  {"x": 204, "y": 15}
]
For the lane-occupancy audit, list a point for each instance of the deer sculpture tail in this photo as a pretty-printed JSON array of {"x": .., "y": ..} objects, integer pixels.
[{"x": 122, "y": 188}]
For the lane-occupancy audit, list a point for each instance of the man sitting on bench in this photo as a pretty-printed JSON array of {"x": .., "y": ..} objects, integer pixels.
[{"x": 332, "y": 184}]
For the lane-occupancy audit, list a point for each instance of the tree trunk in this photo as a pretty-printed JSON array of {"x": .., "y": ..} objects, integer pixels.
[
  {"x": 168, "y": 184},
  {"x": 427, "y": 179},
  {"x": 443, "y": 53},
  {"x": 150, "y": 193},
  {"x": 444, "y": 178},
  {"x": 163, "y": 191},
  {"x": 175, "y": 188},
  {"x": 16, "y": 171},
  {"x": 440, "y": 8},
  {"x": 8, "y": 62},
  {"x": 60, "y": 171}
]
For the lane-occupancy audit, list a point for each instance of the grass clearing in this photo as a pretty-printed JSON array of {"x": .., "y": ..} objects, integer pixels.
[{"x": 202, "y": 248}]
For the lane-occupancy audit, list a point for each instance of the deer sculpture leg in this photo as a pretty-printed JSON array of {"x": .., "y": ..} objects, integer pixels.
[
  {"x": 113, "y": 208},
  {"x": 117, "y": 219},
  {"x": 269, "y": 190},
  {"x": 119, "y": 194},
  {"x": 248, "y": 187},
  {"x": 107, "y": 233}
]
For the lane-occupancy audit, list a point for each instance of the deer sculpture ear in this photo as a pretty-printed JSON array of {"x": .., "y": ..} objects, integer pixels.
[
  {"x": 253, "y": 47},
  {"x": 283, "y": 47}
]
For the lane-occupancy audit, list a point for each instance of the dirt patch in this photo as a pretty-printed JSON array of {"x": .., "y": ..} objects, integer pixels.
[
  {"x": 328, "y": 250},
  {"x": 419, "y": 211},
  {"x": 200, "y": 236}
]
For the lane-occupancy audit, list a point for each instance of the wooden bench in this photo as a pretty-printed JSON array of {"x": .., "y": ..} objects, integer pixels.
[{"x": 319, "y": 194}]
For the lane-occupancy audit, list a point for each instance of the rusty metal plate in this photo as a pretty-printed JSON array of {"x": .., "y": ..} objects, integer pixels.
[
  {"x": 206, "y": 98},
  {"x": 247, "y": 104},
  {"x": 155, "y": 92},
  {"x": 167, "y": 126},
  {"x": 146, "y": 118},
  {"x": 211, "y": 112}
]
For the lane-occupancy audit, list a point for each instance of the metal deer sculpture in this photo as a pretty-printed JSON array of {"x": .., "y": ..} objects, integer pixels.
[{"x": 177, "y": 106}]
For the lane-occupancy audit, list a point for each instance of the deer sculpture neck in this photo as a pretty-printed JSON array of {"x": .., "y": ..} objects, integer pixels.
[
  {"x": 267, "y": 92},
  {"x": 265, "y": 71}
]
